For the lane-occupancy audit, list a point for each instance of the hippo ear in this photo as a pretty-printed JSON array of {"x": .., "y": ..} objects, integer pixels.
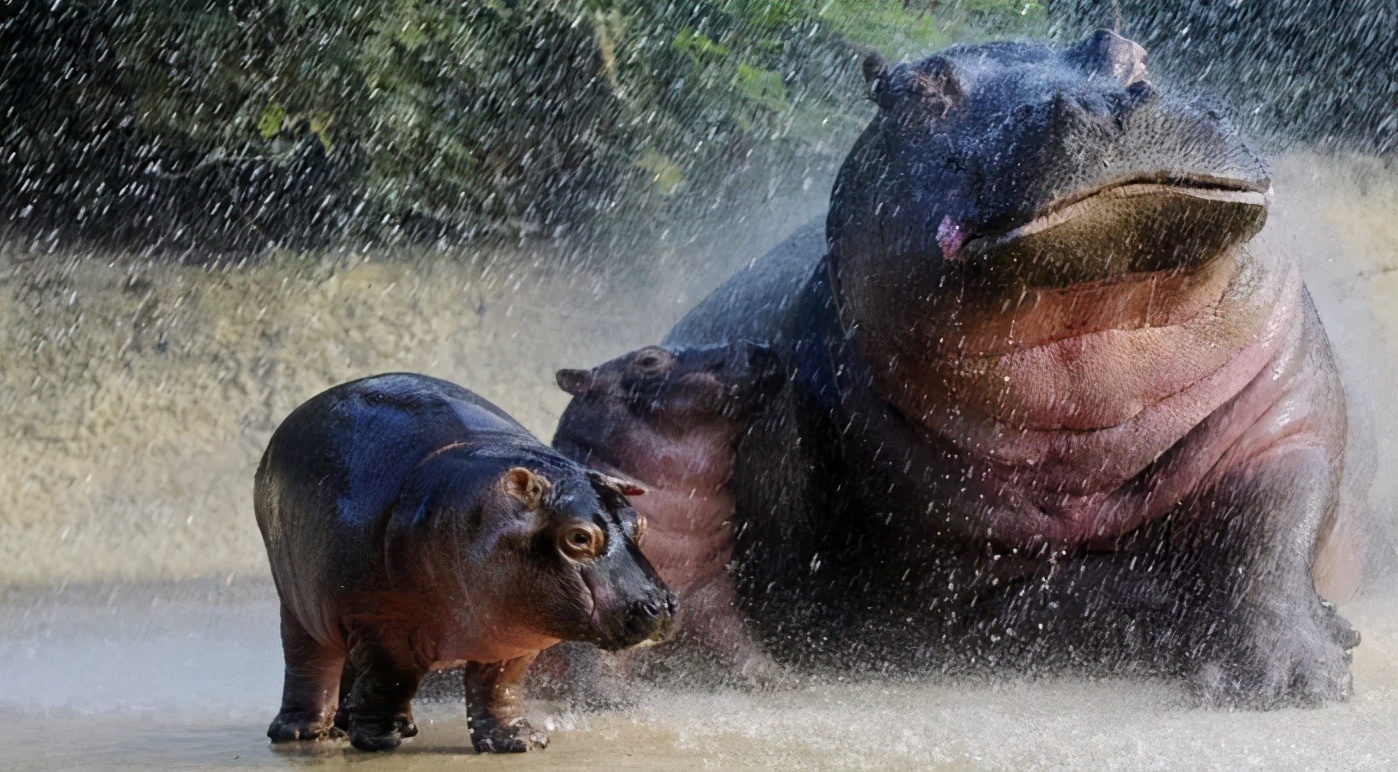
[
  {"x": 930, "y": 85},
  {"x": 1106, "y": 53},
  {"x": 527, "y": 486},
  {"x": 575, "y": 382},
  {"x": 935, "y": 78},
  {"x": 874, "y": 69},
  {"x": 614, "y": 484}
]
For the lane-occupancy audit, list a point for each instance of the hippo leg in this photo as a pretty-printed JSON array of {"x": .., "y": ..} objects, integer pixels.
[
  {"x": 1276, "y": 640},
  {"x": 310, "y": 688},
  {"x": 1226, "y": 582},
  {"x": 495, "y": 707},
  {"x": 379, "y": 704},
  {"x": 582, "y": 676},
  {"x": 347, "y": 678},
  {"x": 711, "y": 619}
]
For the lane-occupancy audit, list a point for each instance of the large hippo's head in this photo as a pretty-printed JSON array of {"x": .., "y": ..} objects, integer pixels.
[{"x": 995, "y": 168}]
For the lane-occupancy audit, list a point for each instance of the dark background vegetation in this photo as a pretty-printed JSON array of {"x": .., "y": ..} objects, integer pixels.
[
  {"x": 202, "y": 129},
  {"x": 1314, "y": 71}
]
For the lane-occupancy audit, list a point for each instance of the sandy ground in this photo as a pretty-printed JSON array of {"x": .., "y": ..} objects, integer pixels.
[{"x": 140, "y": 629}]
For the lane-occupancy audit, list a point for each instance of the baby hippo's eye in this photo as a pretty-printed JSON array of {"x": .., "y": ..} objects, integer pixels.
[{"x": 582, "y": 542}]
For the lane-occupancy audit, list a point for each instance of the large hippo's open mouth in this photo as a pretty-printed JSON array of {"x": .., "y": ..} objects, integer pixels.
[{"x": 1128, "y": 226}]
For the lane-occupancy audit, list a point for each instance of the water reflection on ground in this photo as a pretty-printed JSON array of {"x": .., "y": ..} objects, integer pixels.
[{"x": 186, "y": 676}]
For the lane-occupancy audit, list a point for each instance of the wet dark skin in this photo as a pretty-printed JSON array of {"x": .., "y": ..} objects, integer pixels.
[
  {"x": 413, "y": 526},
  {"x": 1049, "y": 404}
]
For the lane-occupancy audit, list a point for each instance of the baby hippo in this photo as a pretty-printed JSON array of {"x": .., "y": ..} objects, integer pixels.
[
  {"x": 413, "y": 526},
  {"x": 671, "y": 419}
]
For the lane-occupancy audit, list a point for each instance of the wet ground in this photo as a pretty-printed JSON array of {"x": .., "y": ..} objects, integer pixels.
[
  {"x": 140, "y": 631},
  {"x": 186, "y": 676}
]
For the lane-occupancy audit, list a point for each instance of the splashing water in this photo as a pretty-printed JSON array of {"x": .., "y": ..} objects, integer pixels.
[{"x": 142, "y": 471}]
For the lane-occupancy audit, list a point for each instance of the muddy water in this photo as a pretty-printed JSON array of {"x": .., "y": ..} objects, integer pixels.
[{"x": 140, "y": 630}]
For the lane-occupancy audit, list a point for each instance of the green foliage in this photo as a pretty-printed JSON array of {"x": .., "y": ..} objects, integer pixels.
[
  {"x": 507, "y": 115},
  {"x": 269, "y": 124},
  {"x": 891, "y": 28}
]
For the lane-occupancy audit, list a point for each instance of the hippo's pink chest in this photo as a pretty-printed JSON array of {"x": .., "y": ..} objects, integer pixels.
[
  {"x": 1070, "y": 435},
  {"x": 689, "y": 534}
]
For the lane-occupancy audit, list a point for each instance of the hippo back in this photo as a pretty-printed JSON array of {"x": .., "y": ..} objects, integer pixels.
[
  {"x": 753, "y": 303},
  {"x": 334, "y": 467}
]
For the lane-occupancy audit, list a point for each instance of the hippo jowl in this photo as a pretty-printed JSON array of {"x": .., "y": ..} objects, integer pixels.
[{"x": 1045, "y": 396}]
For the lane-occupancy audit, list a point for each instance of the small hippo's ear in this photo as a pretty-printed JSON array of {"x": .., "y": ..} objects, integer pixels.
[
  {"x": 575, "y": 382},
  {"x": 614, "y": 484},
  {"x": 526, "y": 486},
  {"x": 874, "y": 68}
]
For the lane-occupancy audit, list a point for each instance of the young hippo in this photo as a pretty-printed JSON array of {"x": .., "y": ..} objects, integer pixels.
[
  {"x": 671, "y": 419},
  {"x": 413, "y": 526}
]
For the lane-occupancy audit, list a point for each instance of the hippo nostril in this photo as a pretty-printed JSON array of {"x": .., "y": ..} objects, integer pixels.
[{"x": 645, "y": 610}]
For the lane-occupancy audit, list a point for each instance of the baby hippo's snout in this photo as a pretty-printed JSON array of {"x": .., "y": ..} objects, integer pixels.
[
  {"x": 643, "y": 609},
  {"x": 650, "y": 618}
]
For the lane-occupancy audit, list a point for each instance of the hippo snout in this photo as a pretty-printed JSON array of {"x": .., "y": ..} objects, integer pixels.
[
  {"x": 632, "y": 605},
  {"x": 650, "y": 618},
  {"x": 645, "y": 614}
]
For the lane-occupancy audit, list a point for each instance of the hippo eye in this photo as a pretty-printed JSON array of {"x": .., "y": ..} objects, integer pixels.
[
  {"x": 650, "y": 361},
  {"x": 582, "y": 542}
]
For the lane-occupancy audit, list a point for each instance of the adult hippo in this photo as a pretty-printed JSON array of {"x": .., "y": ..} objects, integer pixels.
[{"x": 1046, "y": 402}]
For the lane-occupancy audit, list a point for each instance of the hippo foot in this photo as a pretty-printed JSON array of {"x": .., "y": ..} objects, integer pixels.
[
  {"x": 406, "y": 726},
  {"x": 1284, "y": 662},
  {"x": 301, "y": 726},
  {"x": 380, "y": 733},
  {"x": 515, "y": 737},
  {"x": 761, "y": 673},
  {"x": 1341, "y": 631}
]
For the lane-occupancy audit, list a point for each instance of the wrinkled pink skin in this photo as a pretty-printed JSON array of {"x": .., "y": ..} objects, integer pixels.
[
  {"x": 1092, "y": 410},
  {"x": 1073, "y": 414},
  {"x": 689, "y": 536}
]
